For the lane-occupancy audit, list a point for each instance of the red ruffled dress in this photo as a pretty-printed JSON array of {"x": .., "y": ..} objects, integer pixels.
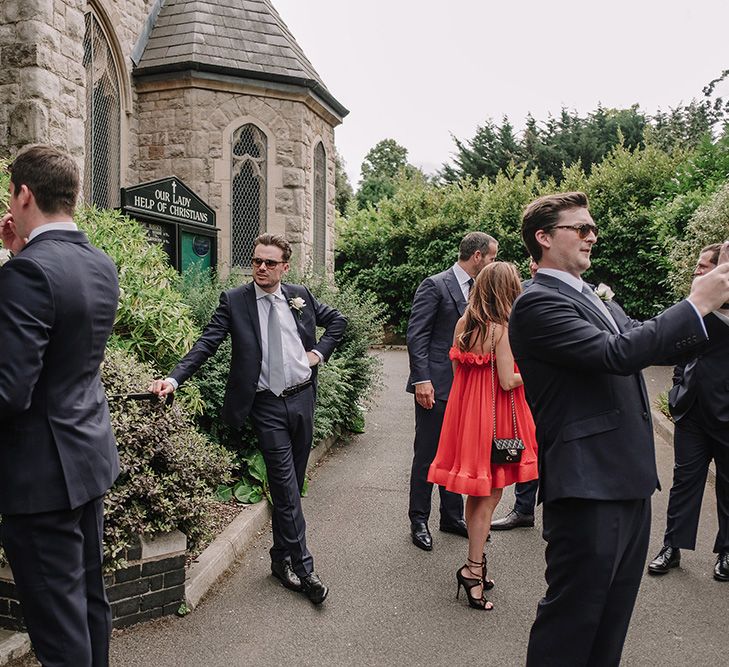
[{"x": 463, "y": 461}]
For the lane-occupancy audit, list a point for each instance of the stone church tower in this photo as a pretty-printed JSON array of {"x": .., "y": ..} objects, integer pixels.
[{"x": 215, "y": 92}]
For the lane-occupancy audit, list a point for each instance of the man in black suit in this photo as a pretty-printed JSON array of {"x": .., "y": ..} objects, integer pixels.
[
  {"x": 699, "y": 405},
  {"x": 581, "y": 358},
  {"x": 58, "y": 301},
  {"x": 272, "y": 378},
  {"x": 439, "y": 302}
]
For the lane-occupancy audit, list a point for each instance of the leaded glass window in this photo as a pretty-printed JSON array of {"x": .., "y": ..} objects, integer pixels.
[
  {"x": 103, "y": 119},
  {"x": 248, "y": 196},
  {"x": 320, "y": 207}
]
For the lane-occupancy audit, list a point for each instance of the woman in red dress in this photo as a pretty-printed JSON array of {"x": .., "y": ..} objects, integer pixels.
[{"x": 463, "y": 461}]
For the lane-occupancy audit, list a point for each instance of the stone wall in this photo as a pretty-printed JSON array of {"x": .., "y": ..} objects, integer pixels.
[
  {"x": 186, "y": 130},
  {"x": 42, "y": 78}
]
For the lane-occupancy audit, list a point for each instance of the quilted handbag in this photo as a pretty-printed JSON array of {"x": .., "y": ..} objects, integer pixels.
[{"x": 503, "y": 450}]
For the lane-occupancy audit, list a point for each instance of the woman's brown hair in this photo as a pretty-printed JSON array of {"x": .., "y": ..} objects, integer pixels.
[{"x": 494, "y": 292}]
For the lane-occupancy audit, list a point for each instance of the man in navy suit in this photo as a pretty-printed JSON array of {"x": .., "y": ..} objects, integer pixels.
[
  {"x": 699, "y": 405},
  {"x": 58, "y": 301},
  {"x": 581, "y": 358},
  {"x": 439, "y": 302},
  {"x": 272, "y": 379}
]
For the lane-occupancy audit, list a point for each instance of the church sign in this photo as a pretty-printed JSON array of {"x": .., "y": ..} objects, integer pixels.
[{"x": 176, "y": 219}]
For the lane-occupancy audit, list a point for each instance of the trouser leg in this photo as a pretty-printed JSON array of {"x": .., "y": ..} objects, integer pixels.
[
  {"x": 692, "y": 452},
  {"x": 48, "y": 556},
  {"x": 589, "y": 550},
  {"x": 633, "y": 538},
  {"x": 526, "y": 496},
  {"x": 427, "y": 433},
  {"x": 720, "y": 449},
  {"x": 271, "y": 420}
]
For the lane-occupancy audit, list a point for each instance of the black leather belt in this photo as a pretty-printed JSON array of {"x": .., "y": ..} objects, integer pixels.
[{"x": 291, "y": 391}]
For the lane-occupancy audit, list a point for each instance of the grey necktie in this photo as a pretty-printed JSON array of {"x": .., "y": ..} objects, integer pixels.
[
  {"x": 590, "y": 294},
  {"x": 276, "y": 381}
]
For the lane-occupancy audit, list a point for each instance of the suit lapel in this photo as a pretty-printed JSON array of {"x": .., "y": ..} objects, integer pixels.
[
  {"x": 455, "y": 290},
  {"x": 570, "y": 292},
  {"x": 250, "y": 298}
]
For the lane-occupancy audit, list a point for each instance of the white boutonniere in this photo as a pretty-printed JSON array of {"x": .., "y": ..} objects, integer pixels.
[
  {"x": 4, "y": 256},
  {"x": 297, "y": 304},
  {"x": 604, "y": 292}
]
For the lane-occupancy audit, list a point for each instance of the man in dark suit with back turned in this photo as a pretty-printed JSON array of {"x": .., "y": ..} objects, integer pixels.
[
  {"x": 439, "y": 302},
  {"x": 581, "y": 358},
  {"x": 58, "y": 301},
  {"x": 699, "y": 405},
  {"x": 272, "y": 378}
]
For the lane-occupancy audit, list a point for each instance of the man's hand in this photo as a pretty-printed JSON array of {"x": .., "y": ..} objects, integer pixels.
[
  {"x": 313, "y": 358},
  {"x": 710, "y": 291},
  {"x": 161, "y": 388},
  {"x": 8, "y": 234},
  {"x": 425, "y": 395}
]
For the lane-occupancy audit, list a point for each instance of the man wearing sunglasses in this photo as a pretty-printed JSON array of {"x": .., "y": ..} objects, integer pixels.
[
  {"x": 272, "y": 379},
  {"x": 581, "y": 359}
]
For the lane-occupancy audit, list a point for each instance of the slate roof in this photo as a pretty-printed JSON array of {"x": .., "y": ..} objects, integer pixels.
[{"x": 244, "y": 38}]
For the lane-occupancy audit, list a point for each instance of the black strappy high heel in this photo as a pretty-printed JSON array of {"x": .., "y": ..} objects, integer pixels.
[{"x": 469, "y": 584}]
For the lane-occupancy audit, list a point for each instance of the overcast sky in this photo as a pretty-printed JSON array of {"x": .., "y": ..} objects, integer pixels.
[{"x": 418, "y": 71}]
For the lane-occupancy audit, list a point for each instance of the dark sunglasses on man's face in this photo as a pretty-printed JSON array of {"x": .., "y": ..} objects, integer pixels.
[
  {"x": 583, "y": 231},
  {"x": 270, "y": 263}
]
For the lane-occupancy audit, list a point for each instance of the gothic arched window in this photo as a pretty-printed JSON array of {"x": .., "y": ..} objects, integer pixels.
[
  {"x": 103, "y": 119},
  {"x": 248, "y": 192},
  {"x": 320, "y": 207}
]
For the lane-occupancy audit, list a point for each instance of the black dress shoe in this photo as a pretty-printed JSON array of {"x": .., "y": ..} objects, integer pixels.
[
  {"x": 458, "y": 528},
  {"x": 721, "y": 569},
  {"x": 312, "y": 587},
  {"x": 421, "y": 536},
  {"x": 513, "y": 519},
  {"x": 667, "y": 558},
  {"x": 281, "y": 569}
]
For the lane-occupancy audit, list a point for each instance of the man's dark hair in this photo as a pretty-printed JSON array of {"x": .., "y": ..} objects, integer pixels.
[
  {"x": 277, "y": 240},
  {"x": 472, "y": 242},
  {"x": 714, "y": 249},
  {"x": 50, "y": 174},
  {"x": 542, "y": 213}
]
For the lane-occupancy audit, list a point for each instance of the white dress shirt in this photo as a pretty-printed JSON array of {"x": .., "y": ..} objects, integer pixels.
[
  {"x": 463, "y": 279},
  {"x": 296, "y": 363},
  {"x": 53, "y": 226}
]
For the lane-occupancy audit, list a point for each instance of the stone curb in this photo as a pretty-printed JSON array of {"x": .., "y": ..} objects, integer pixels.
[
  {"x": 209, "y": 566},
  {"x": 13, "y": 645},
  {"x": 212, "y": 563}
]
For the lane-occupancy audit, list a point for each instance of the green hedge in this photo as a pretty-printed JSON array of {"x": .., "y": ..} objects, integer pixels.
[{"x": 641, "y": 200}]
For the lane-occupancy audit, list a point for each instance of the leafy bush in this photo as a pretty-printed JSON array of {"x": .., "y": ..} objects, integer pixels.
[
  {"x": 152, "y": 322},
  {"x": 710, "y": 224},
  {"x": 169, "y": 471}
]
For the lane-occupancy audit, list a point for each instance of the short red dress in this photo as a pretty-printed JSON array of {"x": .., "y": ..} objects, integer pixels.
[{"x": 463, "y": 461}]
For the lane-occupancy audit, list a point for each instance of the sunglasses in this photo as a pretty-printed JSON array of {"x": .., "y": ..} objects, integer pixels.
[
  {"x": 270, "y": 263},
  {"x": 583, "y": 231}
]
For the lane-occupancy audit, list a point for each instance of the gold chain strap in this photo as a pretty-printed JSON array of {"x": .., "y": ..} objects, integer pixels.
[{"x": 493, "y": 389}]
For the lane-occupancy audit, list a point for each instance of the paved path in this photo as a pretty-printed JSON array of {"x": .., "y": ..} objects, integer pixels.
[{"x": 392, "y": 604}]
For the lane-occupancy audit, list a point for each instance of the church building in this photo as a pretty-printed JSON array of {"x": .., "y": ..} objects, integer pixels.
[{"x": 216, "y": 93}]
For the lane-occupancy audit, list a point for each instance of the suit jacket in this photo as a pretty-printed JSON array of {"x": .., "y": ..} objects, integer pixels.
[
  {"x": 704, "y": 380},
  {"x": 437, "y": 306},
  {"x": 58, "y": 301},
  {"x": 586, "y": 391},
  {"x": 237, "y": 315}
]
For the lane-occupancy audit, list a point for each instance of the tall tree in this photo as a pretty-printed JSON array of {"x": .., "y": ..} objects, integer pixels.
[{"x": 380, "y": 169}]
